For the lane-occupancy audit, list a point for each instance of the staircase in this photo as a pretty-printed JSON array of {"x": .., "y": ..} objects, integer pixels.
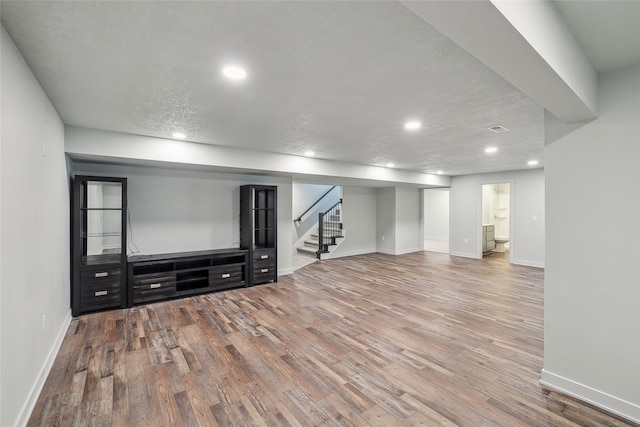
[{"x": 330, "y": 228}]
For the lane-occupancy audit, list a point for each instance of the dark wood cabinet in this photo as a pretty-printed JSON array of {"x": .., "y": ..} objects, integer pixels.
[
  {"x": 99, "y": 242},
  {"x": 259, "y": 231},
  {"x": 165, "y": 276}
]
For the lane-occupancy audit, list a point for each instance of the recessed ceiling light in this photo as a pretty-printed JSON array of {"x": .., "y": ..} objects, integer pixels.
[
  {"x": 179, "y": 135},
  {"x": 439, "y": 172},
  {"x": 234, "y": 73},
  {"x": 490, "y": 150},
  {"x": 413, "y": 125},
  {"x": 498, "y": 129},
  {"x": 532, "y": 162},
  {"x": 309, "y": 153},
  {"x": 390, "y": 165}
]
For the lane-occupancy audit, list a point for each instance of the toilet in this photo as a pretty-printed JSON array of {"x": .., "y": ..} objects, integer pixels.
[{"x": 500, "y": 242}]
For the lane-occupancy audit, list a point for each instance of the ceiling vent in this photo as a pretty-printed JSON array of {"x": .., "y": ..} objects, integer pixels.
[{"x": 498, "y": 129}]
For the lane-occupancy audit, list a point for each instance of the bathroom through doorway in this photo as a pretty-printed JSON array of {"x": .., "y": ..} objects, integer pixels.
[{"x": 496, "y": 215}]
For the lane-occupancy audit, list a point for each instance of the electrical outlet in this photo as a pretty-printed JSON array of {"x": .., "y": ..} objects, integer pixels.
[
  {"x": 534, "y": 218},
  {"x": 466, "y": 240},
  {"x": 44, "y": 319},
  {"x": 383, "y": 238}
]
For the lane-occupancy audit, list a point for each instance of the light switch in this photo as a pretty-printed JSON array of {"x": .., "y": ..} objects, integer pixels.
[{"x": 534, "y": 218}]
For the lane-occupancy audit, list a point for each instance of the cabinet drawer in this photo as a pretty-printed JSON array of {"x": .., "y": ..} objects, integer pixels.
[
  {"x": 100, "y": 274},
  {"x": 264, "y": 255},
  {"x": 262, "y": 264},
  {"x": 225, "y": 276},
  {"x": 94, "y": 296},
  {"x": 153, "y": 291},
  {"x": 263, "y": 275},
  {"x": 150, "y": 279}
]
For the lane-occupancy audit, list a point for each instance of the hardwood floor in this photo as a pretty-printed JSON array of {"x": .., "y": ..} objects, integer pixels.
[{"x": 375, "y": 340}]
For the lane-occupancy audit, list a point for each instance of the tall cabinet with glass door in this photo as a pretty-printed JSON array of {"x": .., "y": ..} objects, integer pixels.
[{"x": 98, "y": 261}]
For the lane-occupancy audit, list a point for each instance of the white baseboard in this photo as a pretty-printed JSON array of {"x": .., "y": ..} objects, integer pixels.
[
  {"x": 465, "y": 255},
  {"x": 439, "y": 239},
  {"x": 352, "y": 253},
  {"x": 36, "y": 389},
  {"x": 402, "y": 252},
  {"x": 285, "y": 271},
  {"x": 386, "y": 252},
  {"x": 528, "y": 263},
  {"x": 408, "y": 251},
  {"x": 615, "y": 405}
]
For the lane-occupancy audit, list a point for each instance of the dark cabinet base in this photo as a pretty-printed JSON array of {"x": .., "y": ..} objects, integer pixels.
[{"x": 160, "y": 277}]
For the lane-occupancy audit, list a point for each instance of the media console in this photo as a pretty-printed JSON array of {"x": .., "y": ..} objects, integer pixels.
[{"x": 166, "y": 276}]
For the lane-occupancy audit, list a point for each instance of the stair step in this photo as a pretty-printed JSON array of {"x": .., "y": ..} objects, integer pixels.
[{"x": 308, "y": 251}]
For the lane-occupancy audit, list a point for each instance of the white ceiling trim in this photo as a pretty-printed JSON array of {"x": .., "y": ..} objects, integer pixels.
[{"x": 527, "y": 43}]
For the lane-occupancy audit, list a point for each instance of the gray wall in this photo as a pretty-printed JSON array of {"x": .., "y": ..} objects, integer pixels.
[
  {"x": 176, "y": 211},
  {"x": 592, "y": 278},
  {"x": 386, "y": 220},
  {"x": 398, "y": 220},
  {"x": 436, "y": 214},
  {"x": 408, "y": 220},
  {"x": 527, "y": 235},
  {"x": 359, "y": 221},
  {"x": 34, "y": 243}
]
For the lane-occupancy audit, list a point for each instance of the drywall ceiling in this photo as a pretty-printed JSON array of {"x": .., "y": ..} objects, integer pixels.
[
  {"x": 608, "y": 31},
  {"x": 337, "y": 78}
]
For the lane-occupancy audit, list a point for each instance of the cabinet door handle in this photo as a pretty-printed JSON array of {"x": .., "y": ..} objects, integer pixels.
[
  {"x": 102, "y": 274},
  {"x": 100, "y": 293},
  {"x": 264, "y": 256},
  {"x": 226, "y": 275},
  {"x": 264, "y": 270},
  {"x": 154, "y": 285}
]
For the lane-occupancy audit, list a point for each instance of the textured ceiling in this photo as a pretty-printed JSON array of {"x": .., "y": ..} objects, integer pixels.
[{"x": 338, "y": 78}]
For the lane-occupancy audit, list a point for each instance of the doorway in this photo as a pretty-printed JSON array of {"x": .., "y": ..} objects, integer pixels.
[
  {"x": 436, "y": 220},
  {"x": 496, "y": 219}
]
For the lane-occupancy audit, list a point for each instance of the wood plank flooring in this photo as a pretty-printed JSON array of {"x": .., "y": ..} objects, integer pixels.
[{"x": 422, "y": 339}]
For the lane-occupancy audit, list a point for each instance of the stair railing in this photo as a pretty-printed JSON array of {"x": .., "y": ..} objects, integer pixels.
[
  {"x": 329, "y": 227},
  {"x": 315, "y": 203}
]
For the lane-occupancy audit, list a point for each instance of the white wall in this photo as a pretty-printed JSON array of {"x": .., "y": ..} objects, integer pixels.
[
  {"x": 359, "y": 221},
  {"x": 175, "y": 211},
  {"x": 527, "y": 236},
  {"x": 398, "y": 220},
  {"x": 408, "y": 220},
  {"x": 436, "y": 214},
  {"x": 34, "y": 248},
  {"x": 386, "y": 220},
  {"x": 592, "y": 275}
]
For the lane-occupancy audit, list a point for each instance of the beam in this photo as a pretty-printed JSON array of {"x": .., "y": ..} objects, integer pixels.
[{"x": 525, "y": 42}]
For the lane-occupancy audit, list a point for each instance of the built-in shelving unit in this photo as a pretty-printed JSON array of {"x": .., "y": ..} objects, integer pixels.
[
  {"x": 98, "y": 260},
  {"x": 259, "y": 231}
]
